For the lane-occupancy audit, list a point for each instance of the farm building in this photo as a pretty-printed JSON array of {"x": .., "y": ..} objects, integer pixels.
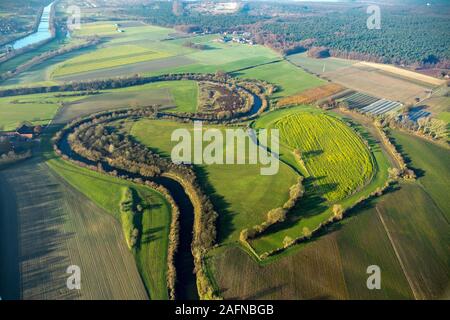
[{"x": 24, "y": 131}]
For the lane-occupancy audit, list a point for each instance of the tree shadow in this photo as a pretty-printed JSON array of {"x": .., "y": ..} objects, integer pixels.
[{"x": 225, "y": 221}]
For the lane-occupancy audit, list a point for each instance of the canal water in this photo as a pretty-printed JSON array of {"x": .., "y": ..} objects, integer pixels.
[{"x": 42, "y": 33}]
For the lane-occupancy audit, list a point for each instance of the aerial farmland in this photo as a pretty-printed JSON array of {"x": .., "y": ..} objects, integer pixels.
[{"x": 189, "y": 150}]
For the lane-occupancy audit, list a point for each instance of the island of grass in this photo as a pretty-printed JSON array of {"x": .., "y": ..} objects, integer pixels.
[{"x": 240, "y": 194}]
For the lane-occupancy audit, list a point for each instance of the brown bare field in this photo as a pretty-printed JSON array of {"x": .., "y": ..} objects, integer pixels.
[
  {"x": 311, "y": 95},
  {"x": 315, "y": 272},
  {"x": 56, "y": 227},
  {"x": 404, "y": 73},
  {"x": 421, "y": 236},
  {"x": 379, "y": 83}
]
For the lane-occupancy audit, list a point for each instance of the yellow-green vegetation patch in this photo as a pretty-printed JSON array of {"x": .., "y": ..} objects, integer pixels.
[
  {"x": 335, "y": 157},
  {"x": 239, "y": 192},
  {"x": 36, "y": 108},
  {"x": 325, "y": 146},
  {"x": 108, "y": 57}
]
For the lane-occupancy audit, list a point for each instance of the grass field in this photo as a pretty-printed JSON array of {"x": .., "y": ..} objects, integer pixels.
[
  {"x": 43, "y": 108},
  {"x": 146, "y": 49},
  {"x": 432, "y": 165},
  {"x": 239, "y": 192},
  {"x": 36, "y": 108},
  {"x": 287, "y": 77},
  {"x": 379, "y": 83},
  {"x": 421, "y": 235},
  {"x": 47, "y": 226},
  {"x": 314, "y": 206},
  {"x": 106, "y": 192}
]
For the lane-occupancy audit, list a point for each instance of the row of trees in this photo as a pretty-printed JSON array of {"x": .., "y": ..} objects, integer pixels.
[
  {"x": 47, "y": 55},
  {"x": 276, "y": 215}
]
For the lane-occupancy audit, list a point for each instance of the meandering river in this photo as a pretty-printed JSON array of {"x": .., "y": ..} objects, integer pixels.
[{"x": 186, "y": 285}]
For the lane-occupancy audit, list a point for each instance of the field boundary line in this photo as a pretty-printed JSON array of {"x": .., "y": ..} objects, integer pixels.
[{"x": 391, "y": 240}]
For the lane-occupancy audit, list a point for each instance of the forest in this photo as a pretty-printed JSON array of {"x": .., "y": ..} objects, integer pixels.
[{"x": 407, "y": 35}]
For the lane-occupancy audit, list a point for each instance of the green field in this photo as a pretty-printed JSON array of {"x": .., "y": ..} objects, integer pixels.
[
  {"x": 140, "y": 45},
  {"x": 43, "y": 108},
  {"x": 314, "y": 207},
  {"x": 289, "y": 79},
  {"x": 36, "y": 108},
  {"x": 239, "y": 192},
  {"x": 182, "y": 95},
  {"x": 106, "y": 191},
  {"x": 432, "y": 165},
  {"x": 331, "y": 267}
]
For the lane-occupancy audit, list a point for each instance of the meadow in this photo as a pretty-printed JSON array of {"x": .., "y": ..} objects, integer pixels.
[
  {"x": 108, "y": 57},
  {"x": 44, "y": 108},
  {"x": 432, "y": 165},
  {"x": 289, "y": 78},
  {"x": 36, "y": 108},
  {"x": 404, "y": 232},
  {"x": 239, "y": 192},
  {"x": 332, "y": 266},
  {"x": 151, "y": 50},
  {"x": 181, "y": 96}
]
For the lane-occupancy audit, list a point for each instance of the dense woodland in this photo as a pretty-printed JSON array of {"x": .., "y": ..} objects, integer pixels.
[{"x": 418, "y": 36}]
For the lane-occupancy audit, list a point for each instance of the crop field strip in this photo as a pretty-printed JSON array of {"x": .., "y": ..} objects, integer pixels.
[
  {"x": 59, "y": 227},
  {"x": 377, "y": 82}
]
